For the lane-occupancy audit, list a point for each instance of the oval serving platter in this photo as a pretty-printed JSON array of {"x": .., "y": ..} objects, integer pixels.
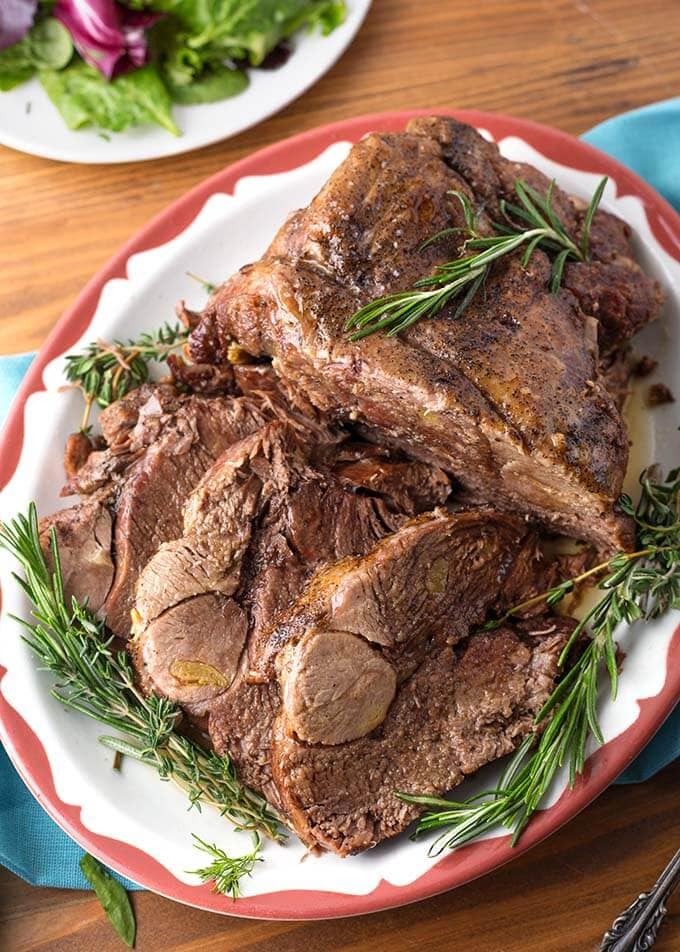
[{"x": 219, "y": 226}]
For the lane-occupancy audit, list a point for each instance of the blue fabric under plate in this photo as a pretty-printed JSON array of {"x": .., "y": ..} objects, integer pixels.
[{"x": 31, "y": 844}]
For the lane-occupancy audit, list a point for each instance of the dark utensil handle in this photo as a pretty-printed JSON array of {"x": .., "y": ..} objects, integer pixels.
[{"x": 635, "y": 930}]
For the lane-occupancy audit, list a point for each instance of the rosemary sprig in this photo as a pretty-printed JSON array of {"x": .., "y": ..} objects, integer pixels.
[
  {"x": 99, "y": 681},
  {"x": 226, "y": 872},
  {"x": 106, "y": 371},
  {"x": 639, "y": 585},
  {"x": 533, "y": 223}
]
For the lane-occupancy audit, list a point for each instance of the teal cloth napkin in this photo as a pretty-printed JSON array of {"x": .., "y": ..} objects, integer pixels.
[{"x": 31, "y": 844}]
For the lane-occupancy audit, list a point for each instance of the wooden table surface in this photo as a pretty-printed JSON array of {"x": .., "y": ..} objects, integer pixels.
[{"x": 568, "y": 64}]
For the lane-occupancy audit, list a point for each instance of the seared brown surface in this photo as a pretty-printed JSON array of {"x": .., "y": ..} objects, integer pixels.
[
  {"x": 563, "y": 63},
  {"x": 508, "y": 395}
]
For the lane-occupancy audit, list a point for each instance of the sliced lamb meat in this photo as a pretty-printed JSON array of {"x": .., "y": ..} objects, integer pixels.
[
  {"x": 191, "y": 654},
  {"x": 84, "y": 539},
  {"x": 207, "y": 379},
  {"x": 219, "y": 518},
  {"x": 76, "y": 452},
  {"x": 355, "y": 631},
  {"x": 152, "y": 499},
  {"x": 129, "y": 426},
  {"x": 410, "y": 486},
  {"x": 255, "y": 527},
  {"x": 317, "y": 522},
  {"x": 432, "y": 578},
  {"x": 336, "y": 687},
  {"x": 464, "y": 707},
  {"x": 508, "y": 396},
  {"x": 118, "y": 420},
  {"x": 240, "y": 726},
  {"x": 161, "y": 444}
]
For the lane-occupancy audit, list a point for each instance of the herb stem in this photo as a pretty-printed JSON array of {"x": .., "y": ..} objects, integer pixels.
[
  {"x": 429, "y": 295},
  {"x": 577, "y": 579}
]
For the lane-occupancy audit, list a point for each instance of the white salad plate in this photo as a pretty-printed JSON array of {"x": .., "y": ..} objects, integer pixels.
[
  {"x": 30, "y": 122},
  {"x": 219, "y": 226}
]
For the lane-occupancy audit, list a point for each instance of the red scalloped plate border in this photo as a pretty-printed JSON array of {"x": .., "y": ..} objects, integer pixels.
[{"x": 25, "y": 748}]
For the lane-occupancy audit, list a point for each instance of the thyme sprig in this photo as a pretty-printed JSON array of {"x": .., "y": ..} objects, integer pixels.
[
  {"x": 638, "y": 585},
  {"x": 532, "y": 223},
  {"x": 226, "y": 872},
  {"x": 105, "y": 371},
  {"x": 97, "y": 680}
]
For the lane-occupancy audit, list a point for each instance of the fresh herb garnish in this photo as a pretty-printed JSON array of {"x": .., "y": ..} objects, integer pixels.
[
  {"x": 113, "y": 897},
  {"x": 105, "y": 371},
  {"x": 224, "y": 872},
  {"x": 99, "y": 681},
  {"x": 639, "y": 585},
  {"x": 532, "y": 224}
]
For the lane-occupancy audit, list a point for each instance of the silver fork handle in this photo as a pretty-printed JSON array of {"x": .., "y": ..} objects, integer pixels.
[{"x": 635, "y": 930}]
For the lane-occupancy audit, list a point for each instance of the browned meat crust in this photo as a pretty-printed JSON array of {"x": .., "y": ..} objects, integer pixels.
[{"x": 508, "y": 397}]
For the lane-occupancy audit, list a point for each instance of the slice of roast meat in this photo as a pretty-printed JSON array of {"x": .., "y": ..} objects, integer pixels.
[
  {"x": 220, "y": 516},
  {"x": 411, "y": 487},
  {"x": 151, "y": 502},
  {"x": 240, "y": 726},
  {"x": 261, "y": 520},
  {"x": 507, "y": 396},
  {"x": 465, "y": 706},
  {"x": 255, "y": 526},
  {"x": 160, "y": 445},
  {"x": 432, "y": 578},
  {"x": 84, "y": 539},
  {"x": 192, "y": 652},
  {"x": 129, "y": 426},
  {"x": 358, "y": 629}
]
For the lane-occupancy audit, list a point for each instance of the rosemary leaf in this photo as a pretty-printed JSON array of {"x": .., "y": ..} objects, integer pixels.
[
  {"x": 532, "y": 223},
  {"x": 106, "y": 371}
]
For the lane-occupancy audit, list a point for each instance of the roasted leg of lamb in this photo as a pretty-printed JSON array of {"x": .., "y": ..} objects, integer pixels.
[{"x": 508, "y": 397}]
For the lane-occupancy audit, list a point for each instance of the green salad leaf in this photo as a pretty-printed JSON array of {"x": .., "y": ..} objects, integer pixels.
[
  {"x": 47, "y": 45},
  {"x": 190, "y": 75},
  {"x": 210, "y": 85},
  {"x": 113, "y": 897},
  {"x": 249, "y": 29},
  {"x": 85, "y": 98}
]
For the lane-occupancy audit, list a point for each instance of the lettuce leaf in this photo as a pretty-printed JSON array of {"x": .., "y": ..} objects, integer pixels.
[
  {"x": 210, "y": 85},
  {"x": 191, "y": 75},
  {"x": 84, "y": 98},
  {"x": 249, "y": 29},
  {"x": 46, "y": 46}
]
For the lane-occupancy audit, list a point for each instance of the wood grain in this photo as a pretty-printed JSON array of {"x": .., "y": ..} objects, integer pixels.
[
  {"x": 559, "y": 897},
  {"x": 567, "y": 64}
]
